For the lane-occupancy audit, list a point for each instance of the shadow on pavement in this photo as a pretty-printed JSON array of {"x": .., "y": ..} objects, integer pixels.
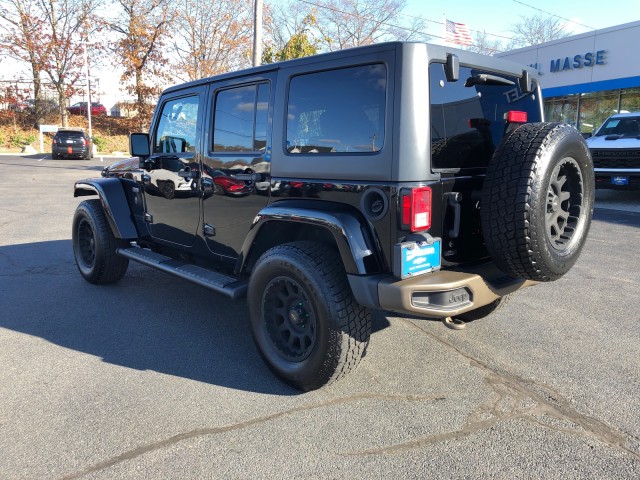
[
  {"x": 618, "y": 217},
  {"x": 147, "y": 321}
]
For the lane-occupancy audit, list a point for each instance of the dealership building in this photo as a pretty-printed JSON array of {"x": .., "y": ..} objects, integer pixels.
[{"x": 587, "y": 77}]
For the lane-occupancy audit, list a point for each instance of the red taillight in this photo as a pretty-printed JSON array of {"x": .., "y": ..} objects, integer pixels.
[
  {"x": 514, "y": 116},
  {"x": 416, "y": 209}
]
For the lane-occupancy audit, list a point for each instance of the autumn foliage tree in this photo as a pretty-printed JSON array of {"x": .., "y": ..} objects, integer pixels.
[
  {"x": 211, "y": 37},
  {"x": 68, "y": 24},
  {"x": 142, "y": 27},
  {"x": 20, "y": 31},
  {"x": 47, "y": 35}
]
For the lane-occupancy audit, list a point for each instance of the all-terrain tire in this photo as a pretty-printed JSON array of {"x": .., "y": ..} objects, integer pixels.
[
  {"x": 305, "y": 321},
  {"x": 94, "y": 245},
  {"x": 537, "y": 201}
]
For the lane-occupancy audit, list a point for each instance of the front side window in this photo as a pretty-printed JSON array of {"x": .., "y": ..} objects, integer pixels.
[
  {"x": 240, "y": 119},
  {"x": 337, "y": 111},
  {"x": 177, "y": 126}
]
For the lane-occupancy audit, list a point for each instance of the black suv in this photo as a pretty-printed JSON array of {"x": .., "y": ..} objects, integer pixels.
[
  {"x": 407, "y": 177},
  {"x": 71, "y": 143}
]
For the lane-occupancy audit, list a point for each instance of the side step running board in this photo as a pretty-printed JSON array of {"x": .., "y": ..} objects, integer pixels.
[{"x": 229, "y": 286}]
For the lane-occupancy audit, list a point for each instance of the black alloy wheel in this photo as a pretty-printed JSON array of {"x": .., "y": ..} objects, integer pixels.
[
  {"x": 537, "y": 201},
  {"x": 94, "y": 245},
  {"x": 305, "y": 321}
]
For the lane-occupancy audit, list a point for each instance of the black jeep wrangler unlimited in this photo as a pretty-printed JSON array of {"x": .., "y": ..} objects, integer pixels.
[{"x": 407, "y": 177}]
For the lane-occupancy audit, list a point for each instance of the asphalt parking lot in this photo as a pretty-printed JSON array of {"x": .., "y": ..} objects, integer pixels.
[{"x": 156, "y": 378}]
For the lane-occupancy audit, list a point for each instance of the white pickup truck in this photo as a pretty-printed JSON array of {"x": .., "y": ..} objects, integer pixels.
[{"x": 615, "y": 149}]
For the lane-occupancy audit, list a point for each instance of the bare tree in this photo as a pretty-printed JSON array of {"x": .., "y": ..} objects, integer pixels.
[
  {"x": 142, "y": 26},
  {"x": 350, "y": 23},
  {"x": 291, "y": 33},
  {"x": 212, "y": 37},
  {"x": 482, "y": 43},
  {"x": 538, "y": 29}
]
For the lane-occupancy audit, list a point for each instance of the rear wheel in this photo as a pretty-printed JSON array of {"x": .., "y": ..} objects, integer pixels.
[
  {"x": 305, "y": 322},
  {"x": 94, "y": 246},
  {"x": 537, "y": 201}
]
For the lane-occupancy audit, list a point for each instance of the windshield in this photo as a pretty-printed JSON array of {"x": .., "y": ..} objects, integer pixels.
[{"x": 626, "y": 127}]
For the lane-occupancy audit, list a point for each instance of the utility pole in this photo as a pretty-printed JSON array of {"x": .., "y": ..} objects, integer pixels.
[
  {"x": 257, "y": 33},
  {"x": 86, "y": 63}
]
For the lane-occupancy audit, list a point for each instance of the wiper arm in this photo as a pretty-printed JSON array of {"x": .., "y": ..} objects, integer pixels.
[{"x": 486, "y": 79}]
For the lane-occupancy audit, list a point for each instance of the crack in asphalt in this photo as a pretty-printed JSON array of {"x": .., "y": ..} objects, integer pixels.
[
  {"x": 514, "y": 398},
  {"x": 136, "y": 452}
]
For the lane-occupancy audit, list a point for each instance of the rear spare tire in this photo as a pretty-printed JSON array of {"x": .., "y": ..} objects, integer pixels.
[{"x": 537, "y": 201}]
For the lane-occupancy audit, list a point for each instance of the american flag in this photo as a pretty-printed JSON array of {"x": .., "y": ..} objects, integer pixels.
[{"x": 457, "y": 33}]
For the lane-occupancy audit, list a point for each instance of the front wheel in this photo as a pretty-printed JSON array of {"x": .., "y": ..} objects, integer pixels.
[
  {"x": 305, "y": 321},
  {"x": 94, "y": 245}
]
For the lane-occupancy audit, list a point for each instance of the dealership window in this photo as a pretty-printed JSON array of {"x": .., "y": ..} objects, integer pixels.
[
  {"x": 630, "y": 100},
  {"x": 563, "y": 110},
  {"x": 595, "y": 108},
  {"x": 587, "y": 111}
]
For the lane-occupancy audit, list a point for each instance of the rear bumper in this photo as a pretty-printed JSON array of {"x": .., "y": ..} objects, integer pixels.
[
  {"x": 440, "y": 294},
  {"x": 79, "y": 152}
]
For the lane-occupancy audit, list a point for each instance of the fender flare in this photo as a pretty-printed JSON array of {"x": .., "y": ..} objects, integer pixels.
[
  {"x": 357, "y": 249},
  {"x": 114, "y": 202}
]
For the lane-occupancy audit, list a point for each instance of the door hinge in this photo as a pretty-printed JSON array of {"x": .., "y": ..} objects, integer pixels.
[
  {"x": 148, "y": 218},
  {"x": 209, "y": 230}
]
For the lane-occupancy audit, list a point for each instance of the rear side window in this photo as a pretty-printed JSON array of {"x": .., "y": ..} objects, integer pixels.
[
  {"x": 337, "y": 111},
  {"x": 240, "y": 119},
  {"x": 468, "y": 117}
]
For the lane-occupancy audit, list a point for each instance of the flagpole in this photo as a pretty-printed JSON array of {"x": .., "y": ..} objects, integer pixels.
[{"x": 444, "y": 30}]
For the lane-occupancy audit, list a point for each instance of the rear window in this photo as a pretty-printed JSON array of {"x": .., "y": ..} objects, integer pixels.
[
  {"x": 69, "y": 135},
  {"x": 337, "y": 111},
  {"x": 468, "y": 122}
]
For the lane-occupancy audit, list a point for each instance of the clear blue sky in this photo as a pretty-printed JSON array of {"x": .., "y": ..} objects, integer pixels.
[{"x": 498, "y": 16}]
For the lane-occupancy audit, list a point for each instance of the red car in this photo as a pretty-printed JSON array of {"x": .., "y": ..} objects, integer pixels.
[{"x": 80, "y": 108}]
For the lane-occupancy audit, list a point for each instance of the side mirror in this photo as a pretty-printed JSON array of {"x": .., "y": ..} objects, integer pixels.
[
  {"x": 139, "y": 145},
  {"x": 586, "y": 135},
  {"x": 452, "y": 68}
]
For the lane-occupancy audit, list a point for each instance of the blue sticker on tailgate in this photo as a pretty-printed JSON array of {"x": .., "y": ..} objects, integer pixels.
[{"x": 417, "y": 258}]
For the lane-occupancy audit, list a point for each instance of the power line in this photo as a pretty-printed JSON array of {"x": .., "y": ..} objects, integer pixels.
[
  {"x": 553, "y": 14},
  {"x": 327, "y": 7},
  {"x": 437, "y": 22},
  {"x": 333, "y": 9}
]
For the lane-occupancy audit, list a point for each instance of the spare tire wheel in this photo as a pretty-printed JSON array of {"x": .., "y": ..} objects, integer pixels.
[{"x": 537, "y": 201}]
